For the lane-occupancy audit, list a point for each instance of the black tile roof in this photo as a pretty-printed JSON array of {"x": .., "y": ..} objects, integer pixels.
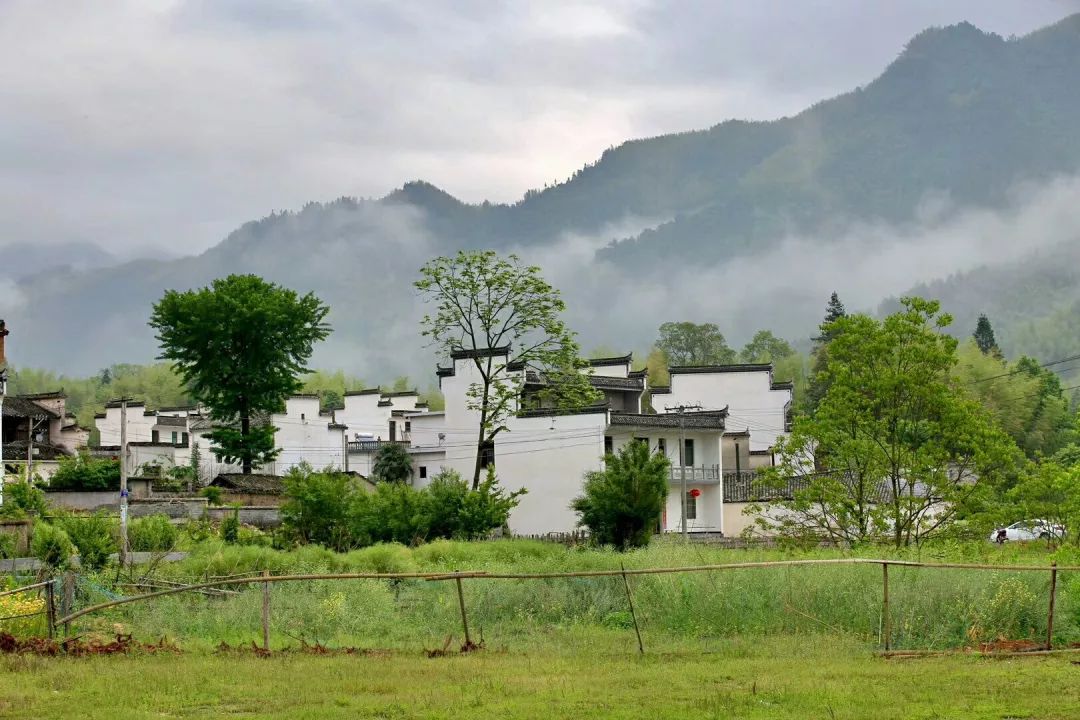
[
  {"x": 616, "y": 383},
  {"x": 605, "y": 362},
  {"x": 130, "y": 403},
  {"x": 741, "y": 367},
  {"x": 385, "y": 403},
  {"x": 251, "y": 484},
  {"x": 479, "y": 353},
  {"x": 444, "y": 371},
  {"x": 690, "y": 421},
  {"x": 400, "y": 393},
  {"x": 785, "y": 385},
  {"x": 365, "y": 391},
  {"x": 555, "y": 412},
  {"x": 19, "y": 406}
]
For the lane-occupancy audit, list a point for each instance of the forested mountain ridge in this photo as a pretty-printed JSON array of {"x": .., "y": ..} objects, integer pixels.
[{"x": 959, "y": 118}]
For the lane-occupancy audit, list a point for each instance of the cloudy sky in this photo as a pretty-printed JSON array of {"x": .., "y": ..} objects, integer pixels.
[{"x": 152, "y": 126}]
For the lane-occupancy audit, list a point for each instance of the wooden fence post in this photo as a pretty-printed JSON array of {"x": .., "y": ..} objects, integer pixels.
[
  {"x": 266, "y": 612},
  {"x": 50, "y": 608},
  {"x": 464, "y": 617},
  {"x": 633, "y": 614},
  {"x": 886, "y": 619},
  {"x": 1050, "y": 614},
  {"x": 67, "y": 601}
]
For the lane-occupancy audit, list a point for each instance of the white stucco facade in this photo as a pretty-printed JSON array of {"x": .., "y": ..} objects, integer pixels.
[{"x": 306, "y": 436}]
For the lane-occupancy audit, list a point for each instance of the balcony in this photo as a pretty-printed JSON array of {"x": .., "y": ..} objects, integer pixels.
[
  {"x": 363, "y": 447},
  {"x": 696, "y": 474}
]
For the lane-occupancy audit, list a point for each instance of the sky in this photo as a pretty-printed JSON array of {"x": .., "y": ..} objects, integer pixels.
[{"x": 155, "y": 127}]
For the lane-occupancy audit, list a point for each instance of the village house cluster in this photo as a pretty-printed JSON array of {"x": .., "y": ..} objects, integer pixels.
[{"x": 717, "y": 424}]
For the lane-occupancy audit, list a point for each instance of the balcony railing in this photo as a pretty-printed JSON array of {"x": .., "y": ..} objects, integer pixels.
[
  {"x": 360, "y": 447},
  {"x": 696, "y": 473}
]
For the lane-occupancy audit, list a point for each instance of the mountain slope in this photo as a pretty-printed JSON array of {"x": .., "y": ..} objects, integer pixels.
[{"x": 955, "y": 122}]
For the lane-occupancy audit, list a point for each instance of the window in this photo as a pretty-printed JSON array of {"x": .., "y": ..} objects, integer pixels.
[
  {"x": 661, "y": 446},
  {"x": 184, "y": 440},
  {"x": 393, "y": 431},
  {"x": 487, "y": 453},
  {"x": 408, "y": 426},
  {"x": 691, "y": 506},
  {"x": 155, "y": 436},
  {"x": 688, "y": 453},
  {"x": 423, "y": 471},
  {"x": 609, "y": 445},
  {"x": 174, "y": 438}
]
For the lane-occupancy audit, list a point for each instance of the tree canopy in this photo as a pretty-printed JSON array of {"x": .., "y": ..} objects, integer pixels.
[
  {"x": 766, "y": 347},
  {"x": 240, "y": 346},
  {"x": 896, "y": 445},
  {"x": 622, "y": 503},
  {"x": 687, "y": 343},
  {"x": 482, "y": 302}
]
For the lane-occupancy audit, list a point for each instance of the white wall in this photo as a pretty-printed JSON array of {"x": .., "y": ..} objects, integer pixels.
[
  {"x": 752, "y": 403},
  {"x": 363, "y": 415},
  {"x": 139, "y": 426},
  {"x": 305, "y": 436}
]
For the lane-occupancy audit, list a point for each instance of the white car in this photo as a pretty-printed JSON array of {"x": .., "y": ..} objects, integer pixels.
[{"x": 1028, "y": 530}]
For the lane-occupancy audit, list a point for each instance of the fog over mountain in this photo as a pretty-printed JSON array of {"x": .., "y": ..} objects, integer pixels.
[{"x": 962, "y": 154}]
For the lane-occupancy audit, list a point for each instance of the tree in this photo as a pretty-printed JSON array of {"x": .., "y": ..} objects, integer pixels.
[
  {"x": 318, "y": 506},
  {"x": 766, "y": 347},
  {"x": 687, "y": 343},
  {"x": 392, "y": 463},
  {"x": 1050, "y": 490},
  {"x": 834, "y": 311},
  {"x": 622, "y": 503},
  {"x": 984, "y": 337},
  {"x": 240, "y": 347},
  {"x": 484, "y": 302},
  {"x": 896, "y": 444}
]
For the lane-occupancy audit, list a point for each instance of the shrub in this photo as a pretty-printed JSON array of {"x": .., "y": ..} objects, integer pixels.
[
  {"x": 395, "y": 512},
  {"x": 230, "y": 527},
  {"x": 93, "y": 537},
  {"x": 7, "y": 546},
  {"x": 318, "y": 506},
  {"x": 252, "y": 536},
  {"x": 392, "y": 463},
  {"x": 52, "y": 546},
  {"x": 83, "y": 472},
  {"x": 458, "y": 512},
  {"x": 198, "y": 530},
  {"x": 22, "y": 499},
  {"x": 154, "y": 533},
  {"x": 212, "y": 494},
  {"x": 622, "y": 503}
]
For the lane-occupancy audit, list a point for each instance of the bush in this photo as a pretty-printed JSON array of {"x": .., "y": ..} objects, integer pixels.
[
  {"x": 93, "y": 537},
  {"x": 212, "y": 494},
  {"x": 154, "y": 533},
  {"x": 318, "y": 506},
  {"x": 7, "y": 546},
  {"x": 230, "y": 527},
  {"x": 623, "y": 502},
  {"x": 83, "y": 472},
  {"x": 395, "y": 512},
  {"x": 392, "y": 463},
  {"x": 22, "y": 499},
  {"x": 198, "y": 530},
  {"x": 52, "y": 546},
  {"x": 460, "y": 513},
  {"x": 252, "y": 536}
]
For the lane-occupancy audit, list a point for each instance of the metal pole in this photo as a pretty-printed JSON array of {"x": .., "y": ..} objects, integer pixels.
[
  {"x": 124, "y": 548},
  {"x": 1050, "y": 615},
  {"x": 266, "y": 612},
  {"x": 682, "y": 473}
]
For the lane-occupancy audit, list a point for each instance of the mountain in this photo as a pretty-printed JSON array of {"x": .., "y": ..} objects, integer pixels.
[
  {"x": 23, "y": 259},
  {"x": 750, "y": 224}
]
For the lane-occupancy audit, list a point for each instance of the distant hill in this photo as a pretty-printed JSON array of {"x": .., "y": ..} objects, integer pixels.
[
  {"x": 955, "y": 122},
  {"x": 23, "y": 259}
]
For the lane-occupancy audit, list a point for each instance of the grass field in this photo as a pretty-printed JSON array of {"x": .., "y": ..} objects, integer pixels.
[{"x": 588, "y": 674}]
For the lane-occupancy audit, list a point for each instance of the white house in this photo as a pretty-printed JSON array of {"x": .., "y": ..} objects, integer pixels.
[{"x": 548, "y": 451}]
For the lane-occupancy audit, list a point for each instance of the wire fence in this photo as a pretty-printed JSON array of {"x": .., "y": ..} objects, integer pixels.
[{"x": 59, "y": 594}]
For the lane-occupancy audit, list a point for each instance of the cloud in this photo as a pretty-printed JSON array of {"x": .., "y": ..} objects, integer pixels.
[{"x": 168, "y": 124}]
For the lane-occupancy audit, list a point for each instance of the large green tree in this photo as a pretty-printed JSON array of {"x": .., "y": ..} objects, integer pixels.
[
  {"x": 687, "y": 343},
  {"x": 481, "y": 302},
  {"x": 765, "y": 347},
  {"x": 897, "y": 445},
  {"x": 241, "y": 346},
  {"x": 392, "y": 463}
]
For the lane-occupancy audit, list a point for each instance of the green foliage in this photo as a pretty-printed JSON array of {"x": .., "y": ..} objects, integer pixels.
[
  {"x": 52, "y": 546},
  {"x": 83, "y": 472},
  {"x": 622, "y": 503},
  {"x": 895, "y": 444},
  {"x": 240, "y": 346},
  {"x": 153, "y": 533},
  {"x": 818, "y": 381},
  {"x": 317, "y": 509},
  {"x": 212, "y": 493},
  {"x": 395, "y": 512},
  {"x": 687, "y": 343},
  {"x": 984, "y": 337},
  {"x": 766, "y": 347},
  {"x": 392, "y": 463},
  {"x": 230, "y": 527},
  {"x": 22, "y": 499},
  {"x": 460, "y": 513},
  {"x": 94, "y": 537},
  {"x": 330, "y": 387},
  {"x": 1049, "y": 490},
  {"x": 7, "y": 545},
  {"x": 483, "y": 301}
]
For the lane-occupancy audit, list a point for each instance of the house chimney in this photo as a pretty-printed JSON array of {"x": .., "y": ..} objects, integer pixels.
[{"x": 3, "y": 334}]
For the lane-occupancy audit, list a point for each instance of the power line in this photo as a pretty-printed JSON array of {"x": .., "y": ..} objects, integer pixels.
[{"x": 1018, "y": 371}]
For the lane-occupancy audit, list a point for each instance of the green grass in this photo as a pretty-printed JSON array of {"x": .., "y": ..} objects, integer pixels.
[
  {"x": 581, "y": 673},
  {"x": 930, "y": 609}
]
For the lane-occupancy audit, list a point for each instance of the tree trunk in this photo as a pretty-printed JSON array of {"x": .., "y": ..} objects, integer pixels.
[
  {"x": 245, "y": 430},
  {"x": 480, "y": 438}
]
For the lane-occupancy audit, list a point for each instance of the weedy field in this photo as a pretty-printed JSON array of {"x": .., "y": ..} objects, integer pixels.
[{"x": 593, "y": 673}]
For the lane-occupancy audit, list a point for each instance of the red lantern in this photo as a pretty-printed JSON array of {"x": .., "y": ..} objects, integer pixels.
[{"x": 695, "y": 493}]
